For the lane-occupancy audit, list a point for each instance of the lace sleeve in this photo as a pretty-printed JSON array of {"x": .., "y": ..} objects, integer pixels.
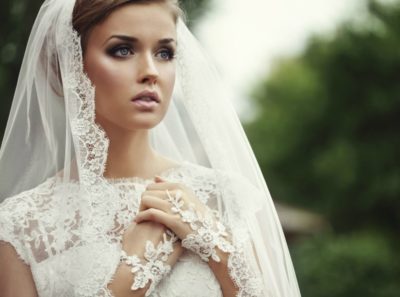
[
  {"x": 210, "y": 234},
  {"x": 226, "y": 196},
  {"x": 235, "y": 210},
  {"x": 105, "y": 292},
  {"x": 244, "y": 275},
  {"x": 12, "y": 213},
  {"x": 59, "y": 260}
]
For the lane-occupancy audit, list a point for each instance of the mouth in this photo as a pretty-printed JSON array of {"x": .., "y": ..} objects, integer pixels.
[
  {"x": 146, "y": 100},
  {"x": 147, "y": 96}
]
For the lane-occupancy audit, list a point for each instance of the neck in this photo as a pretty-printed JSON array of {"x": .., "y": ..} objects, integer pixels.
[{"x": 130, "y": 154}]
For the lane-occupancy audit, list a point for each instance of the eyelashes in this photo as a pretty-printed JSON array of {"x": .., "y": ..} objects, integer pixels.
[
  {"x": 122, "y": 51},
  {"x": 169, "y": 52}
]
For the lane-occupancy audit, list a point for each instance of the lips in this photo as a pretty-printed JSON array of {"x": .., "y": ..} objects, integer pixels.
[
  {"x": 146, "y": 100},
  {"x": 147, "y": 96}
]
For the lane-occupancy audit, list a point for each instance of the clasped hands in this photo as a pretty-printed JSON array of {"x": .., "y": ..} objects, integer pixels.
[
  {"x": 176, "y": 207},
  {"x": 156, "y": 206},
  {"x": 177, "y": 211}
]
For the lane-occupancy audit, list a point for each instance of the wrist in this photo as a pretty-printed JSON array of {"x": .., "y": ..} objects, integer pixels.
[
  {"x": 151, "y": 266},
  {"x": 223, "y": 260},
  {"x": 208, "y": 234}
]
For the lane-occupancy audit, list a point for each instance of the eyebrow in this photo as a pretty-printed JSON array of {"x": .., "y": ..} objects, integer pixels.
[{"x": 136, "y": 40}]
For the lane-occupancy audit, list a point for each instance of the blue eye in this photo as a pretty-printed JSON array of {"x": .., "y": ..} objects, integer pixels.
[
  {"x": 166, "y": 54},
  {"x": 124, "y": 51},
  {"x": 121, "y": 51}
]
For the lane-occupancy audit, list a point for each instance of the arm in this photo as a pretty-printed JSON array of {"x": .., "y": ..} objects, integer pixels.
[
  {"x": 221, "y": 272},
  {"x": 14, "y": 271},
  {"x": 134, "y": 243},
  {"x": 176, "y": 207}
]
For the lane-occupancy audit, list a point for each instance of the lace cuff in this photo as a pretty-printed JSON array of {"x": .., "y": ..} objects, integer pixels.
[
  {"x": 153, "y": 267},
  {"x": 208, "y": 234}
]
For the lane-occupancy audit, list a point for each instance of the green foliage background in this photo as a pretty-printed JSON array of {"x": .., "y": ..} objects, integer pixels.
[{"x": 327, "y": 138}]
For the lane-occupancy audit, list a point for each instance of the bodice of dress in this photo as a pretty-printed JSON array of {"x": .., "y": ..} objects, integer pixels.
[{"x": 40, "y": 224}]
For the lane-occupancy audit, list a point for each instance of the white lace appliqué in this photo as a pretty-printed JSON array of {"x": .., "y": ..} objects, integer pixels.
[
  {"x": 153, "y": 268},
  {"x": 43, "y": 227},
  {"x": 208, "y": 233}
]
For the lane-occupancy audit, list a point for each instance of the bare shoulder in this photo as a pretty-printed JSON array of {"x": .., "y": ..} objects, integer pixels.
[{"x": 13, "y": 268}]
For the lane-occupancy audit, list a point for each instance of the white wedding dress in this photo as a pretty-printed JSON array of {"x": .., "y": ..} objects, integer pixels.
[
  {"x": 40, "y": 225},
  {"x": 69, "y": 229}
]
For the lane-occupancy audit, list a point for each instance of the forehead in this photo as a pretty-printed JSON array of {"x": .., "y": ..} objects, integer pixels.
[{"x": 143, "y": 21}]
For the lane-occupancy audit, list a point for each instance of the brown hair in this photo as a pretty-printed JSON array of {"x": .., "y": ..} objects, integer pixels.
[{"x": 88, "y": 13}]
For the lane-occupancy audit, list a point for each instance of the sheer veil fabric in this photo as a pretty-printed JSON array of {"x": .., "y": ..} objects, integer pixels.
[{"x": 51, "y": 133}]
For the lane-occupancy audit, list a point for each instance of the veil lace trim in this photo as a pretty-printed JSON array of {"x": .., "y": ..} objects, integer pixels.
[{"x": 89, "y": 137}]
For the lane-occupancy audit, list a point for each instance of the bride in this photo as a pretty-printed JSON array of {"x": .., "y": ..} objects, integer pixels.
[{"x": 126, "y": 169}]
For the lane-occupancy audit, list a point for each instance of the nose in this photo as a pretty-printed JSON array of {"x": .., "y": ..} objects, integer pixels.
[{"x": 148, "y": 72}]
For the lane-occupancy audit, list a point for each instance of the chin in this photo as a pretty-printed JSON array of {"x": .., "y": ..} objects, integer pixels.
[{"x": 143, "y": 124}]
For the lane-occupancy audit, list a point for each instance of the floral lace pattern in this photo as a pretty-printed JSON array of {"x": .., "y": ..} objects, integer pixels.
[
  {"x": 153, "y": 269},
  {"x": 248, "y": 284},
  {"x": 90, "y": 140},
  {"x": 46, "y": 230},
  {"x": 208, "y": 233}
]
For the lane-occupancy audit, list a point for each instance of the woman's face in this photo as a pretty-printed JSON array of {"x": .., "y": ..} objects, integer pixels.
[{"x": 132, "y": 52}]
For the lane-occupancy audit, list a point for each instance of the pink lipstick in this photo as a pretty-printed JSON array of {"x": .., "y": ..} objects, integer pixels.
[{"x": 146, "y": 100}]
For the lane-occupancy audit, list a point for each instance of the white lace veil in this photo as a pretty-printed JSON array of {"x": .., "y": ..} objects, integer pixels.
[{"x": 51, "y": 131}]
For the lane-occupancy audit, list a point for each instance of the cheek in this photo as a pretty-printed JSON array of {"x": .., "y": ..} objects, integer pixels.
[
  {"x": 170, "y": 75},
  {"x": 106, "y": 75}
]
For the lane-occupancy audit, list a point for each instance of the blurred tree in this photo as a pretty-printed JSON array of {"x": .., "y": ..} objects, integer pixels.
[
  {"x": 347, "y": 266},
  {"x": 17, "y": 17},
  {"x": 327, "y": 131},
  {"x": 327, "y": 138}
]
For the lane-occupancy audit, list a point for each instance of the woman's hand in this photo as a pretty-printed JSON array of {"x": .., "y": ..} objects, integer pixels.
[
  {"x": 176, "y": 206},
  {"x": 15, "y": 276},
  {"x": 157, "y": 206},
  {"x": 135, "y": 242}
]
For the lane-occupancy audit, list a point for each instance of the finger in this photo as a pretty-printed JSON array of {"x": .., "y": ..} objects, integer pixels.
[
  {"x": 155, "y": 215},
  {"x": 164, "y": 186},
  {"x": 156, "y": 193},
  {"x": 162, "y": 194},
  {"x": 159, "y": 179},
  {"x": 154, "y": 202}
]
